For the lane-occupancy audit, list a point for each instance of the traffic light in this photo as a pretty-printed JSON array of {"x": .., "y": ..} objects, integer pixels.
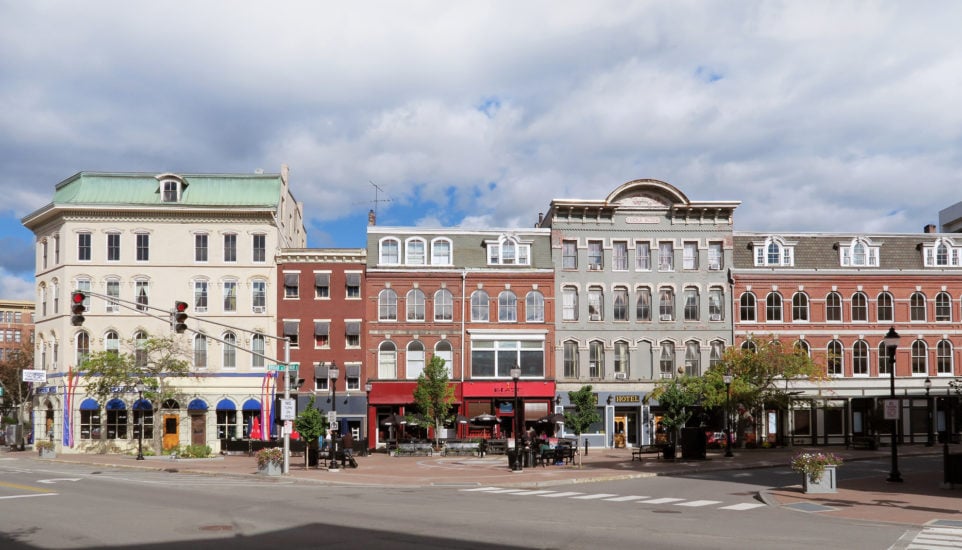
[
  {"x": 180, "y": 317},
  {"x": 77, "y": 308}
]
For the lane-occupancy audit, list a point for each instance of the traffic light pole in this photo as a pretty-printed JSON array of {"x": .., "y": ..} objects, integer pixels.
[{"x": 287, "y": 395}]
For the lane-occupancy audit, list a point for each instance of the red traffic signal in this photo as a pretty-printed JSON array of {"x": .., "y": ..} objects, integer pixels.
[
  {"x": 180, "y": 317},
  {"x": 77, "y": 308}
]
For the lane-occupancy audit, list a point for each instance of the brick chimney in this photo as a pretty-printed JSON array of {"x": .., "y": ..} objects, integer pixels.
[
  {"x": 929, "y": 228},
  {"x": 371, "y": 218}
]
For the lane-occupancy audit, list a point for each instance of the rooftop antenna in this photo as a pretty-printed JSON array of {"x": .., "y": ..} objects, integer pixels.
[{"x": 377, "y": 199}]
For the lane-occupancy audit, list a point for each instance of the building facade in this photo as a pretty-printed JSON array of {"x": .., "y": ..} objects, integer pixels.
[
  {"x": 643, "y": 295},
  {"x": 136, "y": 243}
]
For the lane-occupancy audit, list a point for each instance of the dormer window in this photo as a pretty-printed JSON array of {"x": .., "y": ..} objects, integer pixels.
[
  {"x": 509, "y": 250},
  {"x": 942, "y": 253},
  {"x": 774, "y": 251},
  {"x": 858, "y": 252},
  {"x": 172, "y": 188}
]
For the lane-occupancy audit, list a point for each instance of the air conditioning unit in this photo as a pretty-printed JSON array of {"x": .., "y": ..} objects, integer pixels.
[
  {"x": 200, "y": 310},
  {"x": 259, "y": 309},
  {"x": 666, "y": 375},
  {"x": 665, "y": 317},
  {"x": 621, "y": 376},
  {"x": 715, "y": 317},
  {"x": 714, "y": 268}
]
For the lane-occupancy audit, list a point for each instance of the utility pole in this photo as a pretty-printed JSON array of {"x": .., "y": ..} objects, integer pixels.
[{"x": 287, "y": 396}]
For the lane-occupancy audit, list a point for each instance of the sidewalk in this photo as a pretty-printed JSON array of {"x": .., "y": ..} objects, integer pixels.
[{"x": 917, "y": 501}]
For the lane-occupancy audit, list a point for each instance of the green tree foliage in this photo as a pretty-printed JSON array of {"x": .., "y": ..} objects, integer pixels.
[
  {"x": 434, "y": 395},
  {"x": 311, "y": 424},
  {"x": 675, "y": 397},
  {"x": 583, "y": 414},
  {"x": 16, "y": 392}
]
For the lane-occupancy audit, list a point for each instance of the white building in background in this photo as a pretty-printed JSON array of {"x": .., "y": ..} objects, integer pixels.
[{"x": 150, "y": 240}]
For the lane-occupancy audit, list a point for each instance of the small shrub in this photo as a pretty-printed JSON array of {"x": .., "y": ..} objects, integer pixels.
[
  {"x": 196, "y": 451},
  {"x": 269, "y": 455},
  {"x": 813, "y": 463}
]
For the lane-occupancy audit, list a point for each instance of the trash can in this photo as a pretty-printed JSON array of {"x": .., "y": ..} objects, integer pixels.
[
  {"x": 954, "y": 467},
  {"x": 312, "y": 456},
  {"x": 513, "y": 459},
  {"x": 694, "y": 443}
]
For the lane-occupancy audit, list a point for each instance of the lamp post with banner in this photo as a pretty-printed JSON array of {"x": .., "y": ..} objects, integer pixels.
[
  {"x": 892, "y": 406},
  {"x": 332, "y": 375}
]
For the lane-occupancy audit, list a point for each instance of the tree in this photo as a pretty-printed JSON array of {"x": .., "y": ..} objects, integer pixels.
[
  {"x": 17, "y": 393},
  {"x": 434, "y": 395},
  {"x": 583, "y": 414},
  {"x": 675, "y": 397},
  {"x": 156, "y": 362},
  {"x": 311, "y": 423}
]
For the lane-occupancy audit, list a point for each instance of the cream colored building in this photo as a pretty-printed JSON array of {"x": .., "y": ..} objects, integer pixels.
[{"x": 138, "y": 243}]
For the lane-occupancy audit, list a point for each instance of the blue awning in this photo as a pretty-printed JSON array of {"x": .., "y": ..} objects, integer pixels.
[
  {"x": 90, "y": 405},
  {"x": 252, "y": 405},
  {"x": 116, "y": 405},
  {"x": 226, "y": 405},
  {"x": 197, "y": 405},
  {"x": 143, "y": 405}
]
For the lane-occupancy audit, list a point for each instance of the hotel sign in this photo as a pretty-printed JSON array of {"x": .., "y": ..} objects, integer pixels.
[{"x": 628, "y": 398}]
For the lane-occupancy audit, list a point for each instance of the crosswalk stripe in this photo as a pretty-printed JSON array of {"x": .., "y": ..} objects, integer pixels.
[
  {"x": 742, "y": 506},
  {"x": 503, "y": 491},
  {"x": 697, "y": 503},
  {"x": 531, "y": 493},
  {"x": 625, "y": 499},
  {"x": 660, "y": 501},
  {"x": 481, "y": 489},
  {"x": 595, "y": 496},
  {"x": 559, "y": 495}
]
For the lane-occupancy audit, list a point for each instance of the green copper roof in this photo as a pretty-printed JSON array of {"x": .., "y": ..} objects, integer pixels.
[{"x": 254, "y": 190}]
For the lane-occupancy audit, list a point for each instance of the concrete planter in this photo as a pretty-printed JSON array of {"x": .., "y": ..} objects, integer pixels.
[
  {"x": 827, "y": 484},
  {"x": 270, "y": 469},
  {"x": 48, "y": 453}
]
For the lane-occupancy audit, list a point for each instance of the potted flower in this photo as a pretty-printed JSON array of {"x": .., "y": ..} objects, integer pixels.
[
  {"x": 270, "y": 460},
  {"x": 817, "y": 469},
  {"x": 46, "y": 449}
]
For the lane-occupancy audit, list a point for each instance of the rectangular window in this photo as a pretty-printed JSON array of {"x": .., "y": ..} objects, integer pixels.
[
  {"x": 322, "y": 339},
  {"x": 643, "y": 256},
  {"x": 596, "y": 305},
  {"x": 620, "y": 311},
  {"x": 83, "y": 247},
  {"x": 666, "y": 257},
  {"x": 113, "y": 291},
  {"x": 143, "y": 247},
  {"x": 260, "y": 248},
  {"x": 353, "y": 285},
  {"x": 352, "y": 334},
  {"x": 716, "y": 305},
  {"x": 441, "y": 253},
  {"x": 569, "y": 304},
  {"x": 230, "y": 296},
  {"x": 141, "y": 293},
  {"x": 230, "y": 247},
  {"x": 690, "y": 254},
  {"x": 322, "y": 286},
  {"x": 200, "y": 296},
  {"x": 113, "y": 247},
  {"x": 200, "y": 247},
  {"x": 259, "y": 296},
  {"x": 716, "y": 259},
  {"x": 291, "y": 288},
  {"x": 290, "y": 331},
  {"x": 595, "y": 255},
  {"x": 643, "y": 305},
  {"x": 691, "y": 304},
  {"x": 619, "y": 256},
  {"x": 569, "y": 255},
  {"x": 90, "y": 424}
]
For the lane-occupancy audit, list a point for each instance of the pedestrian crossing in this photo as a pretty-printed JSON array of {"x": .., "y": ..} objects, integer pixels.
[
  {"x": 936, "y": 537},
  {"x": 609, "y": 497}
]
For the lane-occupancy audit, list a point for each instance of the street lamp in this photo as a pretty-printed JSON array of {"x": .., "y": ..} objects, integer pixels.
[
  {"x": 332, "y": 374},
  {"x": 930, "y": 438},
  {"x": 727, "y": 377},
  {"x": 140, "y": 405},
  {"x": 891, "y": 342},
  {"x": 515, "y": 375}
]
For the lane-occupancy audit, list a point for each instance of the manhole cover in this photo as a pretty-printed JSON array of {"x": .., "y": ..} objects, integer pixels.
[{"x": 217, "y": 528}]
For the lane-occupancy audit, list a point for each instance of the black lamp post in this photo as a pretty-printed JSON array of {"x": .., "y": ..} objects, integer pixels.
[
  {"x": 930, "y": 438},
  {"x": 516, "y": 375},
  {"x": 332, "y": 374},
  {"x": 140, "y": 434},
  {"x": 945, "y": 439},
  {"x": 728, "y": 404},
  {"x": 891, "y": 342}
]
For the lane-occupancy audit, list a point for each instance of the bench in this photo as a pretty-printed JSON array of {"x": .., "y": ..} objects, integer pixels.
[
  {"x": 413, "y": 449},
  {"x": 637, "y": 452},
  {"x": 870, "y": 442},
  {"x": 461, "y": 448},
  {"x": 496, "y": 447}
]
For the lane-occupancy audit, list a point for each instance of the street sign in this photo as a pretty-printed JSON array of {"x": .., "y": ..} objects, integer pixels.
[
  {"x": 288, "y": 409},
  {"x": 891, "y": 409},
  {"x": 30, "y": 375},
  {"x": 277, "y": 367}
]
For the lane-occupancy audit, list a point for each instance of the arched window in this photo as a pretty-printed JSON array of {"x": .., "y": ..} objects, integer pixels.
[
  {"x": 943, "y": 357},
  {"x": 717, "y": 350},
  {"x": 415, "y": 305},
  {"x": 140, "y": 351},
  {"x": 507, "y": 307},
  {"x": 666, "y": 305},
  {"x": 749, "y": 345},
  {"x": 479, "y": 306},
  {"x": 596, "y": 359},
  {"x": 596, "y": 303},
  {"x": 415, "y": 360},
  {"x": 835, "y": 358},
  {"x": 943, "y": 307},
  {"x": 692, "y": 304},
  {"x": 112, "y": 343},
  {"x": 414, "y": 252},
  {"x": 569, "y": 303},
  {"x": 693, "y": 358},
  {"x": 534, "y": 307},
  {"x": 230, "y": 350},
  {"x": 773, "y": 307},
  {"x": 833, "y": 307},
  {"x": 387, "y": 361},
  {"x": 667, "y": 359},
  {"x": 801, "y": 346},
  {"x": 83, "y": 347},
  {"x": 620, "y": 309},
  {"x": 387, "y": 305},
  {"x": 884, "y": 307},
  {"x": 920, "y": 357},
  {"x": 800, "y": 307},
  {"x": 859, "y": 307},
  {"x": 860, "y": 358},
  {"x": 444, "y": 350},
  {"x": 917, "y": 306},
  {"x": 883, "y": 359},
  {"x": 443, "y": 305},
  {"x": 571, "y": 359},
  {"x": 747, "y": 307},
  {"x": 390, "y": 252},
  {"x": 643, "y": 305},
  {"x": 257, "y": 344},
  {"x": 200, "y": 351},
  {"x": 441, "y": 251},
  {"x": 621, "y": 359}
]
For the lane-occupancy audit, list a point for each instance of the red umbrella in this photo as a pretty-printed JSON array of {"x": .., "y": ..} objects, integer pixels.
[{"x": 256, "y": 429}]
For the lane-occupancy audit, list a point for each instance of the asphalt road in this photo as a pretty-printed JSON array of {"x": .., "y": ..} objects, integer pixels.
[{"x": 45, "y": 505}]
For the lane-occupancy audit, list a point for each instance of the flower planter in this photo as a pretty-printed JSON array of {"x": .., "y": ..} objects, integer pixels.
[
  {"x": 48, "y": 453},
  {"x": 270, "y": 469},
  {"x": 827, "y": 483}
]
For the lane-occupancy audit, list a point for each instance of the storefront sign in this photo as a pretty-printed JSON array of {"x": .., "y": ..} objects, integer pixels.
[
  {"x": 30, "y": 375},
  {"x": 628, "y": 398},
  {"x": 891, "y": 409},
  {"x": 45, "y": 389}
]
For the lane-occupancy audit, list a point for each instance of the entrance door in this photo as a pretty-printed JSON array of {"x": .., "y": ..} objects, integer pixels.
[
  {"x": 198, "y": 429},
  {"x": 621, "y": 430},
  {"x": 171, "y": 435}
]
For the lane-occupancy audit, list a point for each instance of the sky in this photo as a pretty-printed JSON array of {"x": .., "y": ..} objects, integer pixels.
[{"x": 817, "y": 116}]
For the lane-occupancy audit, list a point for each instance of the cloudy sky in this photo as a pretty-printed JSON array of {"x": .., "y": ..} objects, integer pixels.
[{"x": 818, "y": 116}]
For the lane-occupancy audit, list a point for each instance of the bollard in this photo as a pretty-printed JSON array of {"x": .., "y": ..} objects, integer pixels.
[{"x": 586, "y": 446}]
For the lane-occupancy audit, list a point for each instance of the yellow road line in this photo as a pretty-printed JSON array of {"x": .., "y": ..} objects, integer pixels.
[{"x": 25, "y": 487}]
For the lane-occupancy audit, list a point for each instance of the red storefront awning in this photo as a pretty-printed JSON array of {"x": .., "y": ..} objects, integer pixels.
[
  {"x": 505, "y": 388},
  {"x": 398, "y": 393}
]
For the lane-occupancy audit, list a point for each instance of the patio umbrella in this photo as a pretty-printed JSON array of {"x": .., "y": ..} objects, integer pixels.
[
  {"x": 485, "y": 419},
  {"x": 256, "y": 429},
  {"x": 461, "y": 419},
  {"x": 554, "y": 418}
]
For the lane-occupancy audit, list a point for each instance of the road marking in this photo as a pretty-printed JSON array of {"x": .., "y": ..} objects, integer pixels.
[
  {"x": 481, "y": 489},
  {"x": 661, "y": 501},
  {"x": 559, "y": 495},
  {"x": 625, "y": 499},
  {"x": 936, "y": 537},
  {"x": 56, "y": 479},
  {"x": 29, "y": 496},
  {"x": 742, "y": 506},
  {"x": 531, "y": 493},
  {"x": 497, "y": 491},
  {"x": 697, "y": 503},
  {"x": 595, "y": 496},
  {"x": 25, "y": 487}
]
